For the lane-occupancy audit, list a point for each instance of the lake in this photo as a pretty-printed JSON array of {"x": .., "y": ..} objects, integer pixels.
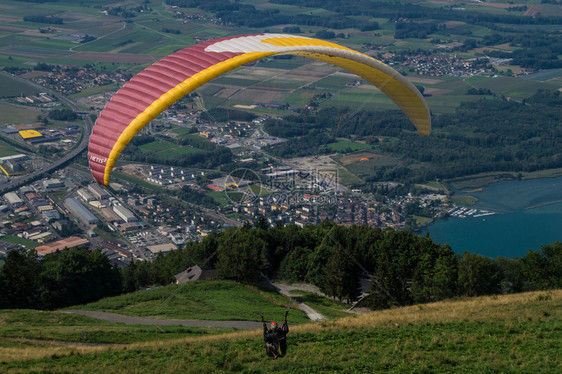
[{"x": 530, "y": 215}]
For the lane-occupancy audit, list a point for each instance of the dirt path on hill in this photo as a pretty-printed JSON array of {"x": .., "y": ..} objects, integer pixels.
[
  {"x": 133, "y": 320},
  {"x": 285, "y": 289}
]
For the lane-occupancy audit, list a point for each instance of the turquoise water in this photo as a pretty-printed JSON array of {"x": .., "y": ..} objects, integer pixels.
[{"x": 531, "y": 215}]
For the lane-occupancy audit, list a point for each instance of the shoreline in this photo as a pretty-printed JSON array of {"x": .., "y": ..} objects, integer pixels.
[{"x": 478, "y": 181}]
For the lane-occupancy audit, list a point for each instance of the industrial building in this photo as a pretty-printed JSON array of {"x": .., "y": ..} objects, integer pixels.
[
  {"x": 110, "y": 215},
  {"x": 85, "y": 195},
  {"x": 98, "y": 192},
  {"x": 27, "y": 134},
  {"x": 50, "y": 214},
  {"x": 18, "y": 157},
  {"x": 13, "y": 199},
  {"x": 80, "y": 211},
  {"x": 59, "y": 245},
  {"x": 51, "y": 184},
  {"x": 125, "y": 213},
  {"x": 167, "y": 247},
  {"x": 43, "y": 139}
]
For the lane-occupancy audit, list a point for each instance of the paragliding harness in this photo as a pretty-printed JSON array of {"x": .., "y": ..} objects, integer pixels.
[{"x": 275, "y": 339}]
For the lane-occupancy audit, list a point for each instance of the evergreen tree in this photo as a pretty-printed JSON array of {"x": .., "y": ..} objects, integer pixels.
[
  {"x": 543, "y": 269},
  {"x": 240, "y": 255},
  {"x": 19, "y": 280},
  {"x": 341, "y": 276},
  {"x": 478, "y": 275}
]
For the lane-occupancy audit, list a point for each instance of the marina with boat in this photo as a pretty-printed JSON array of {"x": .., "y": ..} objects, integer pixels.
[{"x": 463, "y": 212}]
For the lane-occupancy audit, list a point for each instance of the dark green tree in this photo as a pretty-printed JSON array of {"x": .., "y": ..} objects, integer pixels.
[
  {"x": 239, "y": 255},
  {"x": 543, "y": 269},
  {"x": 478, "y": 275},
  {"x": 512, "y": 274},
  {"x": 443, "y": 282},
  {"x": 341, "y": 278},
  {"x": 77, "y": 276},
  {"x": 19, "y": 280}
]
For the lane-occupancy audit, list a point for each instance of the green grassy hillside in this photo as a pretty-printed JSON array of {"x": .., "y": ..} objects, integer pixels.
[
  {"x": 511, "y": 334},
  {"x": 207, "y": 300}
]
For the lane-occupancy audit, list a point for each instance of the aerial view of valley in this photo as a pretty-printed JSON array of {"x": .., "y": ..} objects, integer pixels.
[{"x": 280, "y": 186}]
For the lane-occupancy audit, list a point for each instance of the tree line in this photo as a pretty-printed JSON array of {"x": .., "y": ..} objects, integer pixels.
[
  {"x": 241, "y": 14},
  {"x": 403, "y": 268},
  {"x": 44, "y": 19},
  {"x": 394, "y": 10},
  {"x": 70, "y": 277},
  {"x": 62, "y": 115}
]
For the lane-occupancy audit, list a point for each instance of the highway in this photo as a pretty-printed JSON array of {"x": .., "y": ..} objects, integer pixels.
[{"x": 21, "y": 181}]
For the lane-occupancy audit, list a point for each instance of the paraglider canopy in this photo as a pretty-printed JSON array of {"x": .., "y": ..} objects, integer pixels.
[{"x": 168, "y": 80}]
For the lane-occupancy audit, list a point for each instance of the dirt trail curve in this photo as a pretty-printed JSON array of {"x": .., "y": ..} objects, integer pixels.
[
  {"x": 285, "y": 289},
  {"x": 133, "y": 320}
]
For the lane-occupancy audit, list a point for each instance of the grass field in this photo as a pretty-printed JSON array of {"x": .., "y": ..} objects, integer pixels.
[
  {"x": 517, "y": 333},
  {"x": 6, "y": 149},
  {"x": 139, "y": 182},
  {"x": 219, "y": 196},
  {"x": 10, "y": 87},
  {"x": 112, "y": 87},
  {"x": 515, "y": 87},
  {"x": 366, "y": 167},
  {"x": 15, "y": 114},
  {"x": 17, "y": 240},
  {"x": 342, "y": 145},
  {"x": 465, "y": 200},
  {"x": 346, "y": 178},
  {"x": 167, "y": 150},
  {"x": 181, "y": 130},
  {"x": 61, "y": 326},
  {"x": 335, "y": 81}
]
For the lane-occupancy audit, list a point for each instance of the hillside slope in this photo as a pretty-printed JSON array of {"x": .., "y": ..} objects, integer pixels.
[{"x": 512, "y": 333}]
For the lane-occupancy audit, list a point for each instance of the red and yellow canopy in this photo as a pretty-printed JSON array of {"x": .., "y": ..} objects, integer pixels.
[{"x": 168, "y": 80}]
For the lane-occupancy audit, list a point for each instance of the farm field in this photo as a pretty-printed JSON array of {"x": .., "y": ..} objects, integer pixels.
[{"x": 269, "y": 81}]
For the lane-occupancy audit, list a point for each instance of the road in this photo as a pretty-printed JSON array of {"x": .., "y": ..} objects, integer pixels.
[
  {"x": 133, "y": 320},
  {"x": 13, "y": 184}
]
